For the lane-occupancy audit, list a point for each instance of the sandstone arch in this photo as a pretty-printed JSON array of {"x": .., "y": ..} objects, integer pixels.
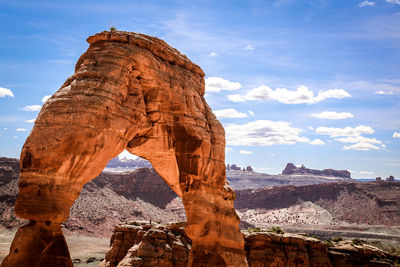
[{"x": 129, "y": 91}]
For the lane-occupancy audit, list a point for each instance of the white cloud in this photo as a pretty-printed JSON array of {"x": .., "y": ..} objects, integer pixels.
[
  {"x": 245, "y": 152},
  {"x": 5, "y": 129},
  {"x": 366, "y": 3},
  {"x": 32, "y": 108},
  {"x": 358, "y": 139},
  {"x": 263, "y": 133},
  {"x": 21, "y": 130},
  {"x": 126, "y": 155},
  {"x": 45, "y": 98},
  {"x": 393, "y": 1},
  {"x": 396, "y": 135},
  {"x": 31, "y": 120},
  {"x": 331, "y": 115},
  {"x": 228, "y": 149},
  {"x": 361, "y": 147},
  {"x": 216, "y": 84},
  {"x": 213, "y": 54},
  {"x": 302, "y": 95},
  {"x": 352, "y": 136},
  {"x": 381, "y": 92},
  {"x": 5, "y": 92},
  {"x": 249, "y": 47},
  {"x": 229, "y": 113},
  {"x": 347, "y": 131},
  {"x": 317, "y": 142},
  {"x": 251, "y": 113},
  {"x": 15, "y": 137}
]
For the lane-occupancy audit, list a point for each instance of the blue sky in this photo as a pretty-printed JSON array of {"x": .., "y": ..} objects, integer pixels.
[{"x": 313, "y": 82}]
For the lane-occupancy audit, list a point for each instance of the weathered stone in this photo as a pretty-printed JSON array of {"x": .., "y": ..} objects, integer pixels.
[
  {"x": 157, "y": 245},
  {"x": 263, "y": 249},
  {"x": 39, "y": 244},
  {"x": 132, "y": 91}
]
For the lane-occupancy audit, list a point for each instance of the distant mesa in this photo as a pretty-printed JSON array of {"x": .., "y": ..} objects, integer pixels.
[
  {"x": 127, "y": 163},
  {"x": 234, "y": 167},
  {"x": 292, "y": 169}
]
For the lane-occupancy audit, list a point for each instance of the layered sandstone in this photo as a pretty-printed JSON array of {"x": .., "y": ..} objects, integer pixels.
[
  {"x": 129, "y": 91},
  {"x": 292, "y": 169},
  {"x": 141, "y": 244},
  {"x": 360, "y": 203}
]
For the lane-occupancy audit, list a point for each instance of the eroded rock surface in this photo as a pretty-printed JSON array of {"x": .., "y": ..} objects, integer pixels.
[
  {"x": 361, "y": 203},
  {"x": 140, "y": 244},
  {"x": 131, "y": 91}
]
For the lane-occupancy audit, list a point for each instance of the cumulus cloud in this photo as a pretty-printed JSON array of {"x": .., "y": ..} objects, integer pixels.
[
  {"x": 331, "y": 115},
  {"x": 396, "y": 135},
  {"x": 358, "y": 139},
  {"x": 21, "y": 130},
  {"x": 302, "y": 95},
  {"x": 381, "y": 92},
  {"x": 353, "y": 136},
  {"x": 245, "y": 152},
  {"x": 251, "y": 113},
  {"x": 45, "y": 98},
  {"x": 31, "y": 120},
  {"x": 366, "y": 3},
  {"x": 249, "y": 47},
  {"x": 263, "y": 133},
  {"x": 213, "y": 54},
  {"x": 361, "y": 147},
  {"x": 393, "y": 1},
  {"x": 32, "y": 108},
  {"x": 216, "y": 84},
  {"x": 5, "y": 92},
  {"x": 347, "y": 131},
  {"x": 317, "y": 142},
  {"x": 229, "y": 113}
]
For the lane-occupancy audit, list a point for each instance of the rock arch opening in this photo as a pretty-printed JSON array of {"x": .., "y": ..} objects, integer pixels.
[{"x": 129, "y": 91}]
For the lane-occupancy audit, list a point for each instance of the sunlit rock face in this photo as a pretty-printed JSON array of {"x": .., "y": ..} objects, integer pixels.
[{"x": 129, "y": 91}]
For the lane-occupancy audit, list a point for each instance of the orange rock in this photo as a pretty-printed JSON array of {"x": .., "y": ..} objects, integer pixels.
[{"x": 132, "y": 91}]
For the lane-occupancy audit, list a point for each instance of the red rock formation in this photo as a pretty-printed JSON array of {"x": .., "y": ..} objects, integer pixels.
[
  {"x": 141, "y": 244},
  {"x": 130, "y": 91}
]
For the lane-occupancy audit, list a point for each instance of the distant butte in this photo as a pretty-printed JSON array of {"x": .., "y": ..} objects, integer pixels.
[{"x": 292, "y": 169}]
